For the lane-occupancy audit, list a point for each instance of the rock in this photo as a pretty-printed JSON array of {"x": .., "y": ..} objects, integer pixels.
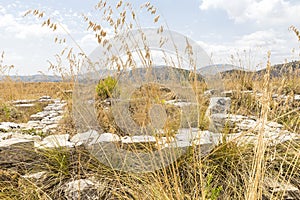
[
  {"x": 219, "y": 105},
  {"x": 27, "y": 105},
  {"x": 85, "y": 189},
  {"x": 32, "y": 124},
  {"x": 247, "y": 92},
  {"x": 139, "y": 142},
  {"x": 186, "y": 134},
  {"x": 39, "y": 116},
  {"x": 274, "y": 125},
  {"x": 229, "y": 93},
  {"x": 16, "y": 152},
  {"x": 202, "y": 141},
  {"x": 108, "y": 137},
  {"x": 194, "y": 137},
  {"x": 47, "y": 121},
  {"x": 218, "y": 122},
  {"x": 138, "y": 139},
  {"x": 281, "y": 189},
  {"x": 8, "y": 135},
  {"x": 246, "y": 125},
  {"x": 15, "y": 142},
  {"x": 180, "y": 103},
  {"x": 24, "y": 101},
  {"x": 164, "y": 142},
  {"x": 210, "y": 92},
  {"x": 86, "y": 138},
  {"x": 35, "y": 176},
  {"x": 51, "y": 128},
  {"x": 45, "y": 97},
  {"x": 7, "y": 126},
  {"x": 206, "y": 138},
  {"x": 53, "y": 141}
]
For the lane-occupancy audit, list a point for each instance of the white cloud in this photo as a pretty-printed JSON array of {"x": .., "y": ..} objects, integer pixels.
[
  {"x": 22, "y": 30},
  {"x": 2, "y": 10},
  {"x": 266, "y": 39},
  {"x": 88, "y": 43},
  {"x": 258, "y": 43},
  {"x": 263, "y": 12}
]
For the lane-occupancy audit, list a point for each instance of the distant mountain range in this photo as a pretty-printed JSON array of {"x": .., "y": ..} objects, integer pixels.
[
  {"x": 279, "y": 70},
  {"x": 224, "y": 69},
  {"x": 34, "y": 78},
  {"x": 291, "y": 68}
]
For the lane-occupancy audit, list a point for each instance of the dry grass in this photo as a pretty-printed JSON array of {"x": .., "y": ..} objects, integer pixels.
[
  {"x": 229, "y": 171},
  {"x": 12, "y": 90}
]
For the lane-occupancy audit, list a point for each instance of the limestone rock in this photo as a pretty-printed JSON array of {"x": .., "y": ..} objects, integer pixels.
[
  {"x": 219, "y": 105},
  {"x": 25, "y": 105},
  {"x": 85, "y": 189},
  {"x": 7, "y": 126},
  {"x": 35, "y": 176},
  {"x": 53, "y": 141}
]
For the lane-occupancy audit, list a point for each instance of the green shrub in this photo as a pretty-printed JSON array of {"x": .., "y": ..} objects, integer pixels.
[{"x": 105, "y": 87}]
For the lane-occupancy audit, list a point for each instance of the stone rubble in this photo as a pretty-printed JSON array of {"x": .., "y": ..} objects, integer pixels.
[
  {"x": 244, "y": 129},
  {"x": 83, "y": 188},
  {"x": 52, "y": 141},
  {"x": 9, "y": 126},
  {"x": 231, "y": 93},
  {"x": 217, "y": 111},
  {"x": 45, "y": 121},
  {"x": 277, "y": 188}
]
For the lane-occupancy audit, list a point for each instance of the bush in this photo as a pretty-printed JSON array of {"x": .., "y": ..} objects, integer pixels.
[{"x": 105, "y": 87}]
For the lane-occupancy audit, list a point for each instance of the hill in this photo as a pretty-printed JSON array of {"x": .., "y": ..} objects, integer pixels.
[
  {"x": 278, "y": 70},
  {"x": 164, "y": 72},
  {"x": 34, "y": 78}
]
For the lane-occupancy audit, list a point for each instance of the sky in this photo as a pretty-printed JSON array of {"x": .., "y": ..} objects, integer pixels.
[{"x": 232, "y": 32}]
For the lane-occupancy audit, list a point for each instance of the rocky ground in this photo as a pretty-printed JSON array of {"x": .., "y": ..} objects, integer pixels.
[{"x": 14, "y": 138}]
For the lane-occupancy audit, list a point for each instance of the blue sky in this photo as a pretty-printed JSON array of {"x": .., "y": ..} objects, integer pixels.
[{"x": 246, "y": 29}]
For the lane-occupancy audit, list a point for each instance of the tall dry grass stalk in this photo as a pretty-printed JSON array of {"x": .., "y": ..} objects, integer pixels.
[
  {"x": 256, "y": 178},
  {"x": 229, "y": 171}
]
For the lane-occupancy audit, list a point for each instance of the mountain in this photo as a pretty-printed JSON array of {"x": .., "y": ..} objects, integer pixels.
[
  {"x": 34, "y": 78},
  {"x": 164, "y": 72},
  {"x": 161, "y": 73},
  {"x": 219, "y": 68},
  {"x": 278, "y": 70},
  {"x": 286, "y": 69}
]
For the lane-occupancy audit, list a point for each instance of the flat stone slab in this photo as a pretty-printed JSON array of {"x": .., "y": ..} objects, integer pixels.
[
  {"x": 15, "y": 142},
  {"x": 35, "y": 176},
  {"x": 53, "y": 141},
  {"x": 14, "y": 151},
  {"x": 180, "y": 103},
  {"x": 24, "y": 101},
  {"x": 87, "y": 138},
  {"x": 39, "y": 115},
  {"x": 8, "y": 135},
  {"x": 27, "y": 105},
  {"x": 138, "y": 139},
  {"x": 279, "y": 188},
  {"x": 108, "y": 137},
  {"x": 45, "y": 97},
  {"x": 7, "y": 126},
  {"x": 84, "y": 188}
]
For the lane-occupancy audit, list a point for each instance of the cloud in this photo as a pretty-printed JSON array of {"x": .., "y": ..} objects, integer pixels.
[
  {"x": 267, "y": 39},
  {"x": 263, "y": 12},
  {"x": 12, "y": 24},
  {"x": 258, "y": 43},
  {"x": 2, "y": 10}
]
